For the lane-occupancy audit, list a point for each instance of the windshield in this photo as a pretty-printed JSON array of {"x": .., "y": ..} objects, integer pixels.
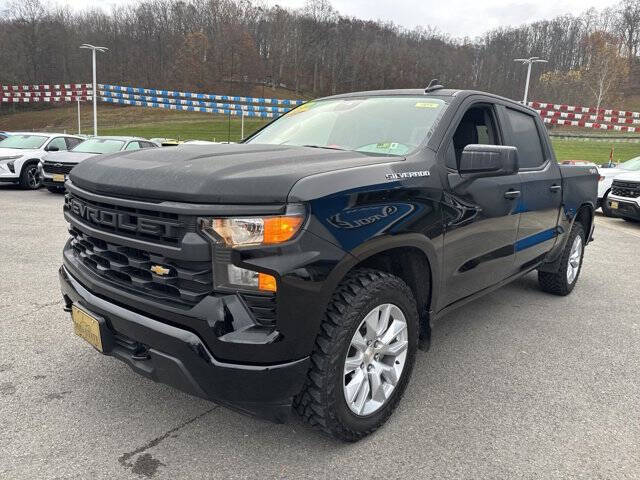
[
  {"x": 393, "y": 125},
  {"x": 23, "y": 142},
  {"x": 99, "y": 145},
  {"x": 633, "y": 164}
]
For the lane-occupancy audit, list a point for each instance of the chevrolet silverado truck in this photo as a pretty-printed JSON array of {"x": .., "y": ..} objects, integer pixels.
[{"x": 303, "y": 268}]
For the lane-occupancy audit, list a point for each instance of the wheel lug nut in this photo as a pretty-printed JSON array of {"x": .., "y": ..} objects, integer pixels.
[
  {"x": 362, "y": 365},
  {"x": 370, "y": 367},
  {"x": 376, "y": 357}
]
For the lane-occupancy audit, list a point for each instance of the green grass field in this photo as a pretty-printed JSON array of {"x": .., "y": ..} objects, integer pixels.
[
  {"x": 596, "y": 151},
  {"x": 216, "y": 128}
]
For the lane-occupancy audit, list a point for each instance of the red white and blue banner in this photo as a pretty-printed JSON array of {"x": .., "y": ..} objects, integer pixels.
[
  {"x": 199, "y": 96},
  {"x": 186, "y": 108}
]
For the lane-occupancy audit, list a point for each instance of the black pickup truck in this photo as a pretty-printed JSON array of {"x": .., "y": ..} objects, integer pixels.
[{"x": 304, "y": 267}]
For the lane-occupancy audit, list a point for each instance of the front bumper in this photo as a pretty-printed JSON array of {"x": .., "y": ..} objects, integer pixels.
[
  {"x": 178, "y": 357},
  {"x": 48, "y": 181},
  {"x": 627, "y": 207}
]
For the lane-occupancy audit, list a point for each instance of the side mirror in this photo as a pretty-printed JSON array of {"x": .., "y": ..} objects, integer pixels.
[
  {"x": 52, "y": 148},
  {"x": 488, "y": 161}
]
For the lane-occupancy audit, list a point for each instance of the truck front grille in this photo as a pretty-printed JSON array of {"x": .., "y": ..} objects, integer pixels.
[
  {"x": 144, "y": 272},
  {"x": 159, "y": 227},
  {"x": 54, "y": 167},
  {"x": 625, "y": 189}
]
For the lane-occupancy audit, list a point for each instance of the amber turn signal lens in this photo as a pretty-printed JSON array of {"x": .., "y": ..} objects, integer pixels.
[
  {"x": 267, "y": 282},
  {"x": 281, "y": 229}
]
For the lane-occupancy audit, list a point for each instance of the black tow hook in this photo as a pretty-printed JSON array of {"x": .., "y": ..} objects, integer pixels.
[{"x": 141, "y": 353}]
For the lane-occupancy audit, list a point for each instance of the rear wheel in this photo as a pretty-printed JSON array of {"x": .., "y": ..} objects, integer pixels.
[
  {"x": 563, "y": 281},
  {"x": 363, "y": 357},
  {"x": 29, "y": 177}
]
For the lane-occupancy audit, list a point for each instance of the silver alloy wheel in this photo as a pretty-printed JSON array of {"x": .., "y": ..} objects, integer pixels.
[
  {"x": 375, "y": 359},
  {"x": 32, "y": 176},
  {"x": 575, "y": 257}
]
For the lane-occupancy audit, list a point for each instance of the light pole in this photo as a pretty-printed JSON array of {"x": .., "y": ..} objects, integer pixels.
[
  {"x": 95, "y": 86},
  {"x": 528, "y": 62}
]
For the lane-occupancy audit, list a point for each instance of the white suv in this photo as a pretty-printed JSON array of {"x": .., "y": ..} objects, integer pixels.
[
  {"x": 624, "y": 199},
  {"x": 21, "y": 151},
  {"x": 608, "y": 175}
]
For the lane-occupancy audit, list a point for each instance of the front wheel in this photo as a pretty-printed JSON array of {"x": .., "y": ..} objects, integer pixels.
[
  {"x": 29, "y": 177},
  {"x": 363, "y": 357},
  {"x": 563, "y": 281}
]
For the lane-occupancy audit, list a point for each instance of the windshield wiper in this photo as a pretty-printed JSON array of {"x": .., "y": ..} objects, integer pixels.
[{"x": 326, "y": 148}]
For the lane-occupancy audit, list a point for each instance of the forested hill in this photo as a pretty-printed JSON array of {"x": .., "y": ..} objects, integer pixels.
[{"x": 209, "y": 45}]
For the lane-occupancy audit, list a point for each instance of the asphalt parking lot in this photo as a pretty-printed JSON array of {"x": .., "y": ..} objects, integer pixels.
[{"x": 519, "y": 384}]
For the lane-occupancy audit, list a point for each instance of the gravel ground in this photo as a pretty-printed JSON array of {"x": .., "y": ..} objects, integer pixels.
[{"x": 518, "y": 384}]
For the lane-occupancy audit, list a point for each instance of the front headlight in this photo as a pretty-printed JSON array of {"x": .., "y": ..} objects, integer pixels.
[
  {"x": 230, "y": 232},
  {"x": 240, "y": 231}
]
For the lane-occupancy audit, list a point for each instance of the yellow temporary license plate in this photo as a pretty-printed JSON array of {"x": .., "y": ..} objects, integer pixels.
[
  {"x": 87, "y": 327},
  {"x": 58, "y": 177},
  {"x": 614, "y": 204}
]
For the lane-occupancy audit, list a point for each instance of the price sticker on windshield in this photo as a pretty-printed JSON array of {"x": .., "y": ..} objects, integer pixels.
[{"x": 427, "y": 105}]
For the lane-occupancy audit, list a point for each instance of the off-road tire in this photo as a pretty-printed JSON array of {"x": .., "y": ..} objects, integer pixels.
[
  {"x": 557, "y": 282},
  {"x": 321, "y": 402},
  {"x": 26, "y": 181}
]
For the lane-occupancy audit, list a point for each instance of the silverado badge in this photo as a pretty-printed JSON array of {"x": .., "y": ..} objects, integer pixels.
[{"x": 159, "y": 270}]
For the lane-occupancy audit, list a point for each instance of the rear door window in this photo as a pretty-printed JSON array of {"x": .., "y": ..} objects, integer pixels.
[
  {"x": 525, "y": 136},
  {"x": 133, "y": 146},
  {"x": 72, "y": 142}
]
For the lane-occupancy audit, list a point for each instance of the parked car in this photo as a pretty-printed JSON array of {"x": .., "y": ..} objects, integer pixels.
[
  {"x": 304, "y": 266},
  {"x": 167, "y": 142},
  {"x": 4, "y": 135},
  {"x": 607, "y": 175},
  {"x": 624, "y": 199},
  {"x": 21, "y": 152},
  {"x": 55, "y": 167},
  {"x": 582, "y": 163}
]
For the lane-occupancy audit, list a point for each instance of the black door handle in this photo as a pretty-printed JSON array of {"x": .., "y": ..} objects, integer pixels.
[
  {"x": 555, "y": 188},
  {"x": 511, "y": 194}
]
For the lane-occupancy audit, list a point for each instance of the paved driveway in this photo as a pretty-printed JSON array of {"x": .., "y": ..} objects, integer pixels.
[{"x": 519, "y": 384}]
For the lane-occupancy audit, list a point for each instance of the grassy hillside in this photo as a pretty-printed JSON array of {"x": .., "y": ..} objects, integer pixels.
[{"x": 149, "y": 122}]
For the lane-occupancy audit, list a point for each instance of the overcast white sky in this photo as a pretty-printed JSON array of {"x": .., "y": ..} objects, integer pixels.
[{"x": 459, "y": 18}]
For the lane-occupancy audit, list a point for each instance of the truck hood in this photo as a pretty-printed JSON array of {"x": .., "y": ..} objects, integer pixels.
[
  {"x": 12, "y": 152},
  {"x": 244, "y": 173},
  {"x": 68, "y": 157}
]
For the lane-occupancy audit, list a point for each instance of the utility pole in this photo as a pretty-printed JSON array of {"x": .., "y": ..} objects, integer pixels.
[
  {"x": 528, "y": 62},
  {"x": 95, "y": 85}
]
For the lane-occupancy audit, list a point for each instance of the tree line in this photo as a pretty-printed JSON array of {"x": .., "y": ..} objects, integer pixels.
[{"x": 230, "y": 46}]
